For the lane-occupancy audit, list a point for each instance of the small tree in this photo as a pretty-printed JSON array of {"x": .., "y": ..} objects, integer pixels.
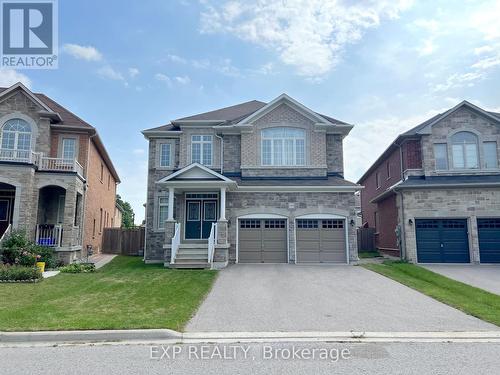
[{"x": 127, "y": 213}]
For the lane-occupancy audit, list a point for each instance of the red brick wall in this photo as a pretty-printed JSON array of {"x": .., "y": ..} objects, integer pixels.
[
  {"x": 388, "y": 217},
  {"x": 412, "y": 155},
  {"x": 370, "y": 191},
  {"x": 99, "y": 197},
  {"x": 82, "y": 145}
]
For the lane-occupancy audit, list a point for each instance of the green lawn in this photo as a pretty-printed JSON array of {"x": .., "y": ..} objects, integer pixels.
[
  {"x": 471, "y": 300},
  {"x": 369, "y": 254},
  {"x": 126, "y": 293}
]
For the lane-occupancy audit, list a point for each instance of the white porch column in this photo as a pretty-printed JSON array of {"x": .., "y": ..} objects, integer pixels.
[
  {"x": 222, "y": 204},
  {"x": 170, "y": 211}
]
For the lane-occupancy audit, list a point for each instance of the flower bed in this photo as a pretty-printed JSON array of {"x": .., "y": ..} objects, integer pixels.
[{"x": 19, "y": 274}]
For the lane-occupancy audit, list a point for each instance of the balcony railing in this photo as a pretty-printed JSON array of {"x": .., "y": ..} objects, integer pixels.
[
  {"x": 49, "y": 235},
  {"x": 42, "y": 162}
]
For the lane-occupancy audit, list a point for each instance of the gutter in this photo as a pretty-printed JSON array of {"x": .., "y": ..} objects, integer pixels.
[{"x": 221, "y": 161}]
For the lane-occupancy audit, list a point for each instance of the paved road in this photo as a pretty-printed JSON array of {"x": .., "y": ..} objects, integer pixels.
[
  {"x": 486, "y": 277},
  {"x": 421, "y": 358},
  {"x": 321, "y": 298}
]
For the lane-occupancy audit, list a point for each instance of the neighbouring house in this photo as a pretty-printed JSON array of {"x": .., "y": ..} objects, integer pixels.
[
  {"x": 116, "y": 221},
  {"x": 57, "y": 181},
  {"x": 251, "y": 183},
  {"x": 433, "y": 196}
]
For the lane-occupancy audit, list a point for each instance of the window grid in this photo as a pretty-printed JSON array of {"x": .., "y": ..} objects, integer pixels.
[
  {"x": 441, "y": 156},
  {"x": 16, "y": 136},
  {"x": 201, "y": 149},
  {"x": 68, "y": 148},
  {"x": 427, "y": 224},
  {"x": 332, "y": 224},
  {"x": 274, "y": 224},
  {"x": 283, "y": 147},
  {"x": 162, "y": 211},
  {"x": 165, "y": 155},
  {"x": 490, "y": 155},
  {"x": 488, "y": 224},
  {"x": 249, "y": 224},
  {"x": 307, "y": 224},
  {"x": 465, "y": 150}
]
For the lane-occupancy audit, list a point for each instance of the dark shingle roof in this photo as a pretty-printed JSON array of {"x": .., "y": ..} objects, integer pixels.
[
  {"x": 68, "y": 117},
  {"x": 228, "y": 113},
  {"x": 229, "y": 116},
  {"x": 296, "y": 181},
  {"x": 432, "y": 181}
]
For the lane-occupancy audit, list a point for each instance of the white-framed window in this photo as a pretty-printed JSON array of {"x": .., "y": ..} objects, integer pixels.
[
  {"x": 165, "y": 154},
  {"x": 490, "y": 155},
  {"x": 441, "y": 156},
  {"x": 202, "y": 149},
  {"x": 16, "y": 139},
  {"x": 68, "y": 149},
  {"x": 283, "y": 147},
  {"x": 162, "y": 212},
  {"x": 464, "y": 149}
]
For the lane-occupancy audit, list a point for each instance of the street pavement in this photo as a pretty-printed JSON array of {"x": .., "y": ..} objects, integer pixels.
[{"x": 372, "y": 358}]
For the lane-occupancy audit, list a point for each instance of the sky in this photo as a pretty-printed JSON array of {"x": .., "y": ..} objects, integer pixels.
[{"x": 384, "y": 66}]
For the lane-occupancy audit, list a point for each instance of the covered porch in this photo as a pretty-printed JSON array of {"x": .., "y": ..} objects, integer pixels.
[
  {"x": 59, "y": 217},
  {"x": 195, "y": 224}
]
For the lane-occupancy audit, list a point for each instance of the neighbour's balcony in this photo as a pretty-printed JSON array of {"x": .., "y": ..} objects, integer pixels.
[{"x": 42, "y": 162}]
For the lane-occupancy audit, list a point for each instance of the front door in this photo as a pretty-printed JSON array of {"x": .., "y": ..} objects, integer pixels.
[{"x": 200, "y": 214}]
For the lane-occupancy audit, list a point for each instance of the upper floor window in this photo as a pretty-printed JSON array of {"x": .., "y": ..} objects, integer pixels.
[
  {"x": 377, "y": 179},
  {"x": 490, "y": 155},
  {"x": 165, "y": 154},
  {"x": 388, "y": 167},
  {"x": 441, "y": 156},
  {"x": 201, "y": 149},
  {"x": 283, "y": 146},
  {"x": 16, "y": 135},
  {"x": 69, "y": 148},
  {"x": 464, "y": 149}
]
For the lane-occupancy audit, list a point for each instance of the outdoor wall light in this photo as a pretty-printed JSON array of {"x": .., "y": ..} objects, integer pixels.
[
  {"x": 352, "y": 222},
  {"x": 410, "y": 222}
]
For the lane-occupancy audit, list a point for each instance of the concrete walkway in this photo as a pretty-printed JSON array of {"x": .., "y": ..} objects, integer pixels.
[
  {"x": 101, "y": 259},
  {"x": 321, "y": 298},
  {"x": 486, "y": 277}
]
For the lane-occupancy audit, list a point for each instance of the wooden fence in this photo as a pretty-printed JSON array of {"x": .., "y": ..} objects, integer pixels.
[
  {"x": 366, "y": 239},
  {"x": 123, "y": 241}
]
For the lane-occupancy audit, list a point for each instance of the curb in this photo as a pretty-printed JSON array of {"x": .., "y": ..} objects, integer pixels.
[
  {"x": 64, "y": 337},
  {"x": 146, "y": 336}
]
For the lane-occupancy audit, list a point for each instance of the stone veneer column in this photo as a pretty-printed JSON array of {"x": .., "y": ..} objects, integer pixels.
[
  {"x": 222, "y": 232},
  {"x": 69, "y": 216}
]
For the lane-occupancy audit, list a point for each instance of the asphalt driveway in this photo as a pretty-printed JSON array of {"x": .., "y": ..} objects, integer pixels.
[
  {"x": 486, "y": 277},
  {"x": 321, "y": 298}
]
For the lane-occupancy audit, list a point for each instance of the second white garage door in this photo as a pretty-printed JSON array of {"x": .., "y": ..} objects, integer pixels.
[{"x": 321, "y": 241}]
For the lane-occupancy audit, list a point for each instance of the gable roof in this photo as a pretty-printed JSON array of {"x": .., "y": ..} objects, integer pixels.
[
  {"x": 418, "y": 130},
  {"x": 205, "y": 173},
  {"x": 232, "y": 115},
  {"x": 63, "y": 118}
]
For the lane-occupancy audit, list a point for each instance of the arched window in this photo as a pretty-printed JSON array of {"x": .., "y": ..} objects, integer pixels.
[
  {"x": 465, "y": 152},
  {"x": 16, "y": 139},
  {"x": 283, "y": 146}
]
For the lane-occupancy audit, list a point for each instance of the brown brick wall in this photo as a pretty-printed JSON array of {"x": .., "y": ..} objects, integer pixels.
[
  {"x": 412, "y": 155},
  {"x": 388, "y": 218},
  {"x": 83, "y": 144},
  {"x": 98, "y": 197}
]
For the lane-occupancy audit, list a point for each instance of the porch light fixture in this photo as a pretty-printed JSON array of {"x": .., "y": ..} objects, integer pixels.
[
  {"x": 352, "y": 222},
  {"x": 410, "y": 222}
]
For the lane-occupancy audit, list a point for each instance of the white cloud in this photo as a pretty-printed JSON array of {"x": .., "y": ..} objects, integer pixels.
[
  {"x": 163, "y": 78},
  {"x": 184, "y": 80},
  {"x": 487, "y": 63},
  {"x": 223, "y": 66},
  {"x": 133, "y": 72},
  {"x": 8, "y": 77},
  {"x": 110, "y": 73},
  {"x": 485, "y": 19},
  {"x": 88, "y": 53},
  {"x": 138, "y": 151},
  {"x": 457, "y": 80},
  {"x": 483, "y": 49},
  {"x": 308, "y": 34},
  {"x": 427, "y": 48}
]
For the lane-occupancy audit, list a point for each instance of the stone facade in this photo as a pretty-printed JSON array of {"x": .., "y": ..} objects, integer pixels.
[
  {"x": 241, "y": 156},
  {"x": 465, "y": 203},
  {"x": 79, "y": 193}
]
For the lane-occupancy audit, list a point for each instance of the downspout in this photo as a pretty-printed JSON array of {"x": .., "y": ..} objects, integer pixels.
[
  {"x": 402, "y": 235},
  {"x": 85, "y": 188},
  {"x": 221, "y": 153}
]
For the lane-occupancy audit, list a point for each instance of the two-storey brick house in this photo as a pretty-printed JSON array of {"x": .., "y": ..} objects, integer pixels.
[
  {"x": 434, "y": 195},
  {"x": 57, "y": 181},
  {"x": 251, "y": 183}
]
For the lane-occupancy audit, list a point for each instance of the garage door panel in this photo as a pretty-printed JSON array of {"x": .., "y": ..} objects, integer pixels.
[
  {"x": 321, "y": 241},
  {"x": 489, "y": 240},
  {"x": 442, "y": 241},
  {"x": 261, "y": 241}
]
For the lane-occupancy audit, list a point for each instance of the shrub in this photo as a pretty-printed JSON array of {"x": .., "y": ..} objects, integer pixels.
[
  {"x": 17, "y": 249},
  {"x": 47, "y": 255},
  {"x": 19, "y": 273},
  {"x": 78, "y": 268}
]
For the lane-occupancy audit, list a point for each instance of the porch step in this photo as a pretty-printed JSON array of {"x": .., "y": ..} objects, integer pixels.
[
  {"x": 182, "y": 256},
  {"x": 190, "y": 264},
  {"x": 202, "y": 245}
]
